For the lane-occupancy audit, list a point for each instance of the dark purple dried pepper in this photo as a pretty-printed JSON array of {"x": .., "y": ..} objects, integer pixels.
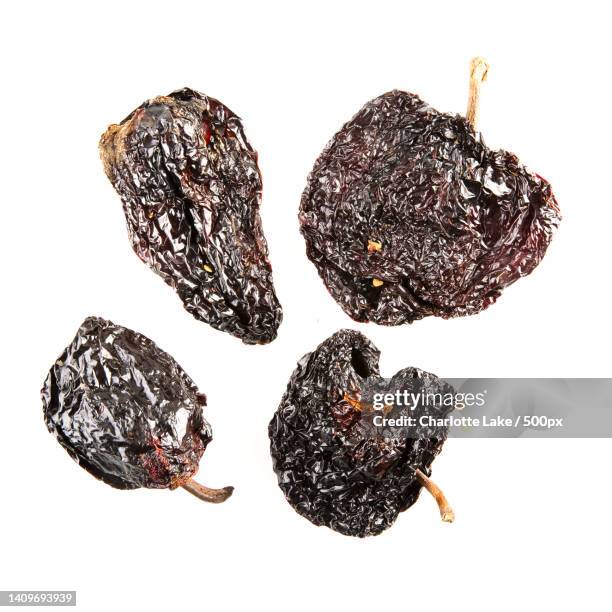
[
  {"x": 127, "y": 412},
  {"x": 191, "y": 192},
  {"x": 337, "y": 468},
  {"x": 407, "y": 213}
]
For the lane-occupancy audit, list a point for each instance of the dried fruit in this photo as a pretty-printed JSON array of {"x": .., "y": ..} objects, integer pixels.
[
  {"x": 407, "y": 213},
  {"x": 127, "y": 412},
  {"x": 335, "y": 464},
  {"x": 191, "y": 192}
]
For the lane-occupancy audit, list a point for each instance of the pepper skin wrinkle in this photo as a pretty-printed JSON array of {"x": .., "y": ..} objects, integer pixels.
[
  {"x": 454, "y": 221},
  {"x": 126, "y": 412},
  {"x": 334, "y": 466},
  {"x": 191, "y": 191}
]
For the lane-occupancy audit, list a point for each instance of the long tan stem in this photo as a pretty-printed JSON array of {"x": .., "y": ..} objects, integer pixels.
[
  {"x": 478, "y": 74},
  {"x": 446, "y": 512},
  {"x": 214, "y": 496}
]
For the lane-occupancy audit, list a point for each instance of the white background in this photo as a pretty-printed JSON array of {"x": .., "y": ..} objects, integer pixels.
[{"x": 533, "y": 527}]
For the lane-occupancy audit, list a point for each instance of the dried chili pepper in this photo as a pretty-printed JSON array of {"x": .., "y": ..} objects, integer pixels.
[
  {"x": 407, "y": 213},
  {"x": 335, "y": 464},
  {"x": 127, "y": 412},
  {"x": 191, "y": 192}
]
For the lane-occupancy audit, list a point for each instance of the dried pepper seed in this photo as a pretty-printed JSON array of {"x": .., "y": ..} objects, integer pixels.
[
  {"x": 126, "y": 412},
  {"x": 335, "y": 466},
  {"x": 461, "y": 222},
  {"x": 191, "y": 190}
]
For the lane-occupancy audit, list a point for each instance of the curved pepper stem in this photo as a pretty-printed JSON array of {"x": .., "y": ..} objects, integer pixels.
[
  {"x": 478, "y": 74},
  {"x": 213, "y": 496},
  {"x": 446, "y": 512}
]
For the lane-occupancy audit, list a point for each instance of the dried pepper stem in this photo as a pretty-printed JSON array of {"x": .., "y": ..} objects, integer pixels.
[
  {"x": 478, "y": 74},
  {"x": 446, "y": 512},
  {"x": 214, "y": 496}
]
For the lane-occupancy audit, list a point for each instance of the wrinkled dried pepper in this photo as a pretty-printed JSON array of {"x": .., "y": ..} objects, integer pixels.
[
  {"x": 191, "y": 192},
  {"x": 126, "y": 412},
  {"x": 336, "y": 466},
  {"x": 407, "y": 213}
]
